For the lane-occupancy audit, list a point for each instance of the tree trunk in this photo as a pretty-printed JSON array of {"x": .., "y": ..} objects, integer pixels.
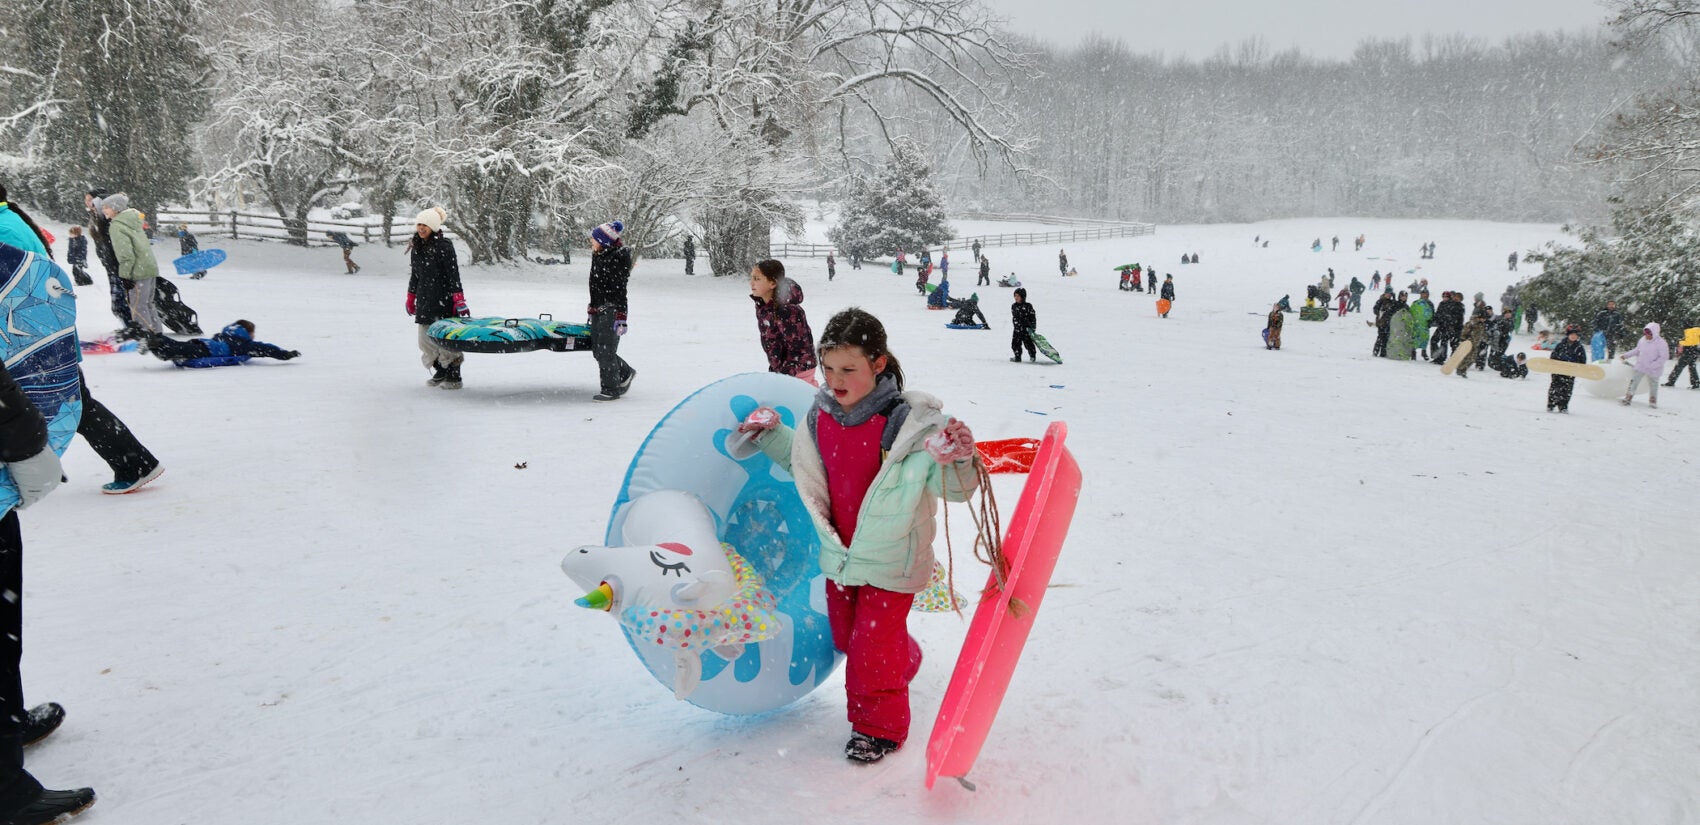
[{"x": 735, "y": 238}]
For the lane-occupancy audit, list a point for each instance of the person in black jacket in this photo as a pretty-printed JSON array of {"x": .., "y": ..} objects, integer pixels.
[
  {"x": 77, "y": 255},
  {"x": 1383, "y": 309},
  {"x": 610, "y": 271},
  {"x": 434, "y": 293},
  {"x": 1448, "y": 322},
  {"x": 1570, "y": 349},
  {"x": 1610, "y": 321},
  {"x": 1025, "y": 322},
  {"x": 99, "y": 226},
  {"x": 35, "y": 471},
  {"x": 1168, "y": 293}
]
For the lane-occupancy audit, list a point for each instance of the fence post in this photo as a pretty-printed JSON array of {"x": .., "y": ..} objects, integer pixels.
[{"x": 233, "y": 224}]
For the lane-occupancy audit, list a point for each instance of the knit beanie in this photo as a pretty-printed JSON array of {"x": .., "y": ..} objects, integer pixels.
[
  {"x": 432, "y": 217},
  {"x": 608, "y": 234},
  {"x": 116, "y": 202}
]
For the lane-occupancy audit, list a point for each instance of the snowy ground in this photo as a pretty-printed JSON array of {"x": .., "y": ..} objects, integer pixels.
[{"x": 1303, "y": 587}]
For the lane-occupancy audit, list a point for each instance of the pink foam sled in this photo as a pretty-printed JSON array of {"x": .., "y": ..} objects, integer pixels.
[{"x": 995, "y": 636}]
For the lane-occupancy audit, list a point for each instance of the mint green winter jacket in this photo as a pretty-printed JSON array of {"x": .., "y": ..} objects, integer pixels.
[
  {"x": 893, "y": 545},
  {"x": 130, "y": 243}
]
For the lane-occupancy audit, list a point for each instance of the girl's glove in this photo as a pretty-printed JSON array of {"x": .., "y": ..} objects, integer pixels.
[
  {"x": 759, "y": 421},
  {"x": 953, "y": 443},
  {"x": 410, "y": 303},
  {"x": 460, "y": 305}
]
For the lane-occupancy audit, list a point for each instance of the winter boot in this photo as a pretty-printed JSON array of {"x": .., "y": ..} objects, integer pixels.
[
  {"x": 1017, "y": 358},
  {"x": 43, "y": 719},
  {"x": 50, "y": 807},
  {"x": 866, "y": 749},
  {"x": 439, "y": 374},
  {"x": 451, "y": 378}
]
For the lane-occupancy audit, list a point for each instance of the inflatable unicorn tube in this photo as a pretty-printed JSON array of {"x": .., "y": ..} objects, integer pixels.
[{"x": 676, "y": 586}]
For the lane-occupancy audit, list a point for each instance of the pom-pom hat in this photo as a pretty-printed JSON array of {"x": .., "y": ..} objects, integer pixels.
[{"x": 608, "y": 234}]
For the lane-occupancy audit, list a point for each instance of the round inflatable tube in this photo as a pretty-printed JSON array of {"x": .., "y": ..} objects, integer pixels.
[
  {"x": 1616, "y": 382},
  {"x": 758, "y": 513}
]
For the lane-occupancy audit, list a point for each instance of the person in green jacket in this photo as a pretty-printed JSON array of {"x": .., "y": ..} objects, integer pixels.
[
  {"x": 1422, "y": 312},
  {"x": 136, "y": 264},
  {"x": 869, "y": 461}
]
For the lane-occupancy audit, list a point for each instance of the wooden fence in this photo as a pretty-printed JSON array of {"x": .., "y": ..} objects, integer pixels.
[
  {"x": 1096, "y": 232},
  {"x": 270, "y": 227}
]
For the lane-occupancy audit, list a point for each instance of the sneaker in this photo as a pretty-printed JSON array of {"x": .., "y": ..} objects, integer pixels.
[
  {"x": 1652, "y": 405},
  {"x": 50, "y": 807},
  {"x": 867, "y": 749},
  {"x": 1624, "y": 402},
  {"x": 43, "y": 719},
  {"x": 1668, "y": 384},
  {"x": 451, "y": 378},
  {"x": 439, "y": 374},
  {"x": 627, "y": 384},
  {"x": 606, "y": 395},
  {"x": 120, "y": 487}
]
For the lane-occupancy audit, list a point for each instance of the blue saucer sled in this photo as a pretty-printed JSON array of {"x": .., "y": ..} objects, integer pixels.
[
  {"x": 198, "y": 261},
  {"x": 770, "y": 641}
]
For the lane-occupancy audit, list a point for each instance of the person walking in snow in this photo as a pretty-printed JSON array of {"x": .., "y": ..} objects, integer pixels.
[
  {"x": 985, "y": 271},
  {"x": 1475, "y": 331},
  {"x": 1336, "y": 245},
  {"x": 976, "y": 248},
  {"x": 434, "y": 293},
  {"x": 831, "y": 267},
  {"x": 610, "y": 273},
  {"x": 1024, "y": 321},
  {"x": 347, "y": 245},
  {"x": 1687, "y": 353},
  {"x": 781, "y": 321},
  {"x": 690, "y": 255},
  {"x": 1357, "y": 288},
  {"x": 1383, "y": 310},
  {"x": 1448, "y": 325},
  {"x": 99, "y": 232},
  {"x": 1062, "y": 262},
  {"x": 1151, "y": 279},
  {"x": 1512, "y": 261},
  {"x": 1649, "y": 357},
  {"x": 1572, "y": 351},
  {"x": 1272, "y": 333},
  {"x": 187, "y": 244},
  {"x": 136, "y": 264},
  {"x": 1610, "y": 321},
  {"x": 1168, "y": 293},
  {"x": 77, "y": 255},
  {"x": 1344, "y": 297},
  {"x": 1375, "y": 281},
  {"x": 870, "y": 460},
  {"x": 1422, "y": 316}
]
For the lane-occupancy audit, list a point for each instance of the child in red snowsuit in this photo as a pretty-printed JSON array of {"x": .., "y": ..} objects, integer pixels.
[{"x": 876, "y": 542}]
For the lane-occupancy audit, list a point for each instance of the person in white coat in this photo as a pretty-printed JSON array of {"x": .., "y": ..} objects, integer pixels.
[{"x": 1649, "y": 357}]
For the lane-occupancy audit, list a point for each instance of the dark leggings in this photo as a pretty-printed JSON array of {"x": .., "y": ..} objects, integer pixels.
[
  {"x": 1558, "y": 393},
  {"x": 1023, "y": 339},
  {"x": 111, "y": 440},
  {"x": 17, "y": 787}
]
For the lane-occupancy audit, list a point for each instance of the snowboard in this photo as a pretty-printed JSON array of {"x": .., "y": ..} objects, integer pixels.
[
  {"x": 1045, "y": 348},
  {"x": 1593, "y": 372},
  {"x": 1458, "y": 356},
  {"x": 198, "y": 261},
  {"x": 489, "y": 335},
  {"x": 999, "y": 628}
]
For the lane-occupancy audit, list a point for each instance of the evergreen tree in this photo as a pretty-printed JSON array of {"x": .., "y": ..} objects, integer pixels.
[
  {"x": 113, "y": 91},
  {"x": 899, "y": 208},
  {"x": 1648, "y": 263}
]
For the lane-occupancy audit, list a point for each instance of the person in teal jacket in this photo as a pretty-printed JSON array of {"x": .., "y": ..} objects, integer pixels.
[
  {"x": 18, "y": 229},
  {"x": 869, "y": 461}
]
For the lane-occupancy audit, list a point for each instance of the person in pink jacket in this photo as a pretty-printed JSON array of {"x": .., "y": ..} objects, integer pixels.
[{"x": 1650, "y": 354}]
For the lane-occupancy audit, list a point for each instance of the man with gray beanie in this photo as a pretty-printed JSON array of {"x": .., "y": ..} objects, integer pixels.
[{"x": 136, "y": 264}]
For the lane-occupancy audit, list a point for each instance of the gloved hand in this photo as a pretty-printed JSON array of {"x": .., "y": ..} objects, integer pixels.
[
  {"x": 410, "y": 303},
  {"x": 619, "y": 327},
  {"x": 36, "y": 476},
  {"x": 460, "y": 305},
  {"x": 294, "y": 353},
  {"x": 953, "y": 443},
  {"x": 759, "y": 421}
]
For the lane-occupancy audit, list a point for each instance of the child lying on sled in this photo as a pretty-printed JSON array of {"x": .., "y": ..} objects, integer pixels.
[{"x": 232, "y": 345}]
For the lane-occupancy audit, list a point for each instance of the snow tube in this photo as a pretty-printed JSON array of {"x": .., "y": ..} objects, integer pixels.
[
  {"x": 756, "y": 511},
  {"x": 40, "y": 348},
  {"x": 1616, "y": 382},
  {"x": 489, "y": 335}
]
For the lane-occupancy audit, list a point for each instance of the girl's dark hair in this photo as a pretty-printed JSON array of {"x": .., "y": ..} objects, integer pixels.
[
  {"x": 28, "y": 221},
  {"x": 771, "y": 269},
  {"x": 245, "y": 324},
  {"x": 856, "y": 327}
]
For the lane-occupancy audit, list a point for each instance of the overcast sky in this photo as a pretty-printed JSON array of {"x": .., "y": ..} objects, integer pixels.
[{"x": 1324, "y": 28}]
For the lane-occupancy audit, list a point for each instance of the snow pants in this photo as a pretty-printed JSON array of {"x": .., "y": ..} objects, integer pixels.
[
  {"x": 111, "y": 440},
  {"x": 433, "y": 354},
  {"x": 605, "y": 345},
  {"x": 1024, "y": 338},
  {"x": 1687, "y": 359},
  {"x": 1380, "y": 349},
  {"x": 1635, "y": 384},
  {"x": 142, "y": 311},
  {"x": 1355, "y": 304},
  {"x": 871, "y": 627},
  {"x": 1558, "y": 392},
  {"x": 17, "y": 787},
  {"x": 120, "y": 291}
]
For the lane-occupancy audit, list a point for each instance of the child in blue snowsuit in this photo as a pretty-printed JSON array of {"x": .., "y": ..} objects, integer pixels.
[{"x": 232, "y": 345}]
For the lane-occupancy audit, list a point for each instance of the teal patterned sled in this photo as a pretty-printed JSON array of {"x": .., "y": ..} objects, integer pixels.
[{"x": 510, "y": 334}]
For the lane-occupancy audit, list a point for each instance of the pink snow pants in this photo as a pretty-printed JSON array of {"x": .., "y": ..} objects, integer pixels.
[{"x": 871, "y": 627}]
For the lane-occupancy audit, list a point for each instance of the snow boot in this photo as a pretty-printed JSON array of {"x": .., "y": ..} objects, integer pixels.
[
  {"x": 868, "y": 749},
  {"x": 439, "y": 374},
  {"x": 1017, "y": 358},
  {"x": 50, "y": 807},
  {"x": 43, "y": 719},
  {"x": 451, "y": 378}
]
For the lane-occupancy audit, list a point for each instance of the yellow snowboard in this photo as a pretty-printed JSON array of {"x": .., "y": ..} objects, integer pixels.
[
  {"x": 1458, "y": 356},
  {"x": 1590, "y": 371}
]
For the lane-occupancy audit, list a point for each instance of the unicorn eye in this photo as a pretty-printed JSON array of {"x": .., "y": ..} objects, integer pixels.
[{"x": 674, "y": 568}]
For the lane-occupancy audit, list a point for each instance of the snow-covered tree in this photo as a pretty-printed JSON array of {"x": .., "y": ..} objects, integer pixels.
[
  {"x": 1649, "y": 263},
  {"x": 101, "y": 93},
  {"x": 899, "y": 208}
]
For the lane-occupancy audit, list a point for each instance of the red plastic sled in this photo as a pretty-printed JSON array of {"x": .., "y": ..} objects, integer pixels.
[
  {"x": 995, "y": 635},
  {"x": 1008, "y": 455}
]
